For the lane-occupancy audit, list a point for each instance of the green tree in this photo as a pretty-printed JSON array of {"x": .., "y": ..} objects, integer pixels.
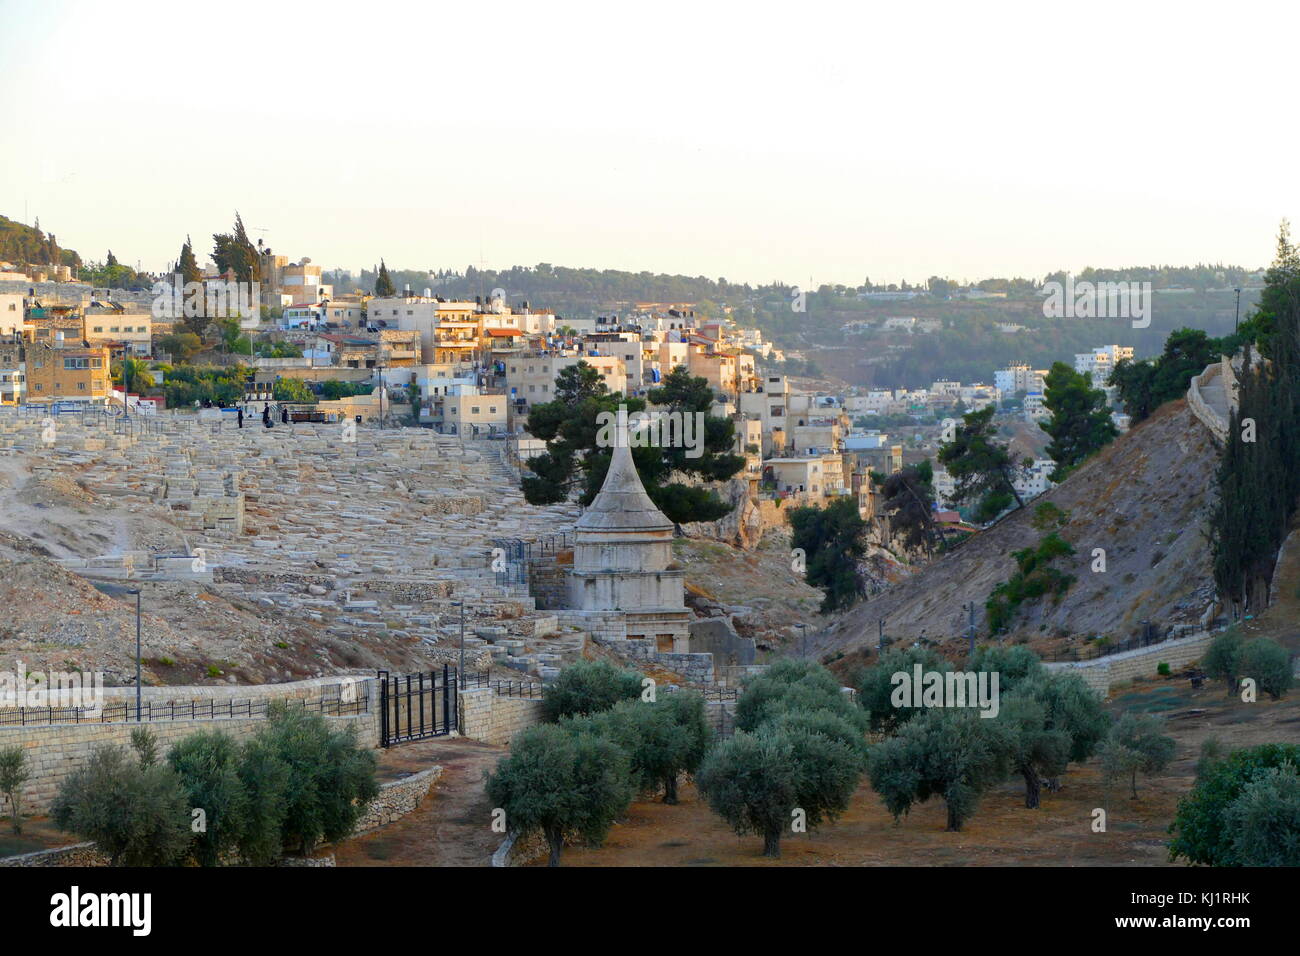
[
  {"x": 1269, "y": 664},
  {"x": 384, "y": 287},
  {"x": 983, "y": 470},
  {"x": 1135, "y": 745},
  {"x": 181, "y": 345},
  {"x": 662, "y": 740},
  {"x": 832, "y": 541},
  {"x": 951, "y": 753},
  {"x": 136, "y": 815},
  {"x": 1055, "y": 719},
  {"x": 1222, "y": 660},
  {"x": 907, "y": 501},
  {"x": 877, "y": 685},
  {"x": 207, "y": 764},
  {"x": 588, "y": 687},
  {"x": 233, "y": 252},
  {"x": 791, "y": 685},
  {"x": 1265, "y": 819},
  {"x": 758, "y": 782},
  {"x": 292, "y": 390},
  {"x": 265, "y": 780},
  {"x": 330, "y": 778},
  {"x": 1080, "y": 424},
  {"x": 577, "y": 457},
  {"x": 1203, "y": 830},
  {"x": 561, "y": 784},
  {"x": 14, "y": 773}
]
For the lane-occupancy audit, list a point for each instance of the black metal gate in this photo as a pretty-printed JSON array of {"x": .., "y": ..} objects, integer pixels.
[{"x": 416, "y": 706}]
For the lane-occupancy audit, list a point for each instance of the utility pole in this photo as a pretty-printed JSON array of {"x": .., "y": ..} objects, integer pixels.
[
  {"x": 880, "y": 641},
  {"x": 971, "y": 608},
  {"x": 804, "y": 628},
  {"x": 1237, "y": 318}
]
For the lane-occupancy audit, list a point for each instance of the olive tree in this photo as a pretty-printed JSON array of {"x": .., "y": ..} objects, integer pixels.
[
  {"x": 588, "y": 687},
  {"x": 137, "y": 815},
  {"x": 207, "y": 764},
  {"x": 1135, "y": 745},
  {"x": 561, "y": 781},
  {"x": 951, "y": 753},
  {"x": 14, "y": 773}
]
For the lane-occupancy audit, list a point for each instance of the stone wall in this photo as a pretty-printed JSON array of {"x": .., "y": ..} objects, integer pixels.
[
  {"x": 1104, "y": 673},
  {"x": 55, "y": 750},
  {"x": 484, "y": 715},
  {"x": 397, "y": 798}
]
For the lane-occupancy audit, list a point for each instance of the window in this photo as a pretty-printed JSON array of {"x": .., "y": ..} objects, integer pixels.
[
  {"x": 76, "y": 363},
  {"x": 473, "y": 410},
  {"x": 99, "y": 328}
]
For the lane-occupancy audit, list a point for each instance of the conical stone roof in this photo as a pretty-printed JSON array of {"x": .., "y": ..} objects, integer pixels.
[{"x": 622, "y": 504}]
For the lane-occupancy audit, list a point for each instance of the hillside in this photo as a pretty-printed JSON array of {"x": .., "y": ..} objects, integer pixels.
[
  {"x": 22, "y": 244},
  {"x": 1143, "y": 499}
]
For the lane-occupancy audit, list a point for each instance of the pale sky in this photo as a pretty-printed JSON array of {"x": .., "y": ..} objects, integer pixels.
[{"x": 753, "y": 141}]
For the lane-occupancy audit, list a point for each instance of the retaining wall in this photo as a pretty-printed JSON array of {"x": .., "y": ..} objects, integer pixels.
[
  {"x": 486, "y": 716},
  {"x": 1105, "y": 672}
]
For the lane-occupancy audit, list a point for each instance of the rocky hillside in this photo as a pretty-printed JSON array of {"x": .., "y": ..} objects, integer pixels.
[{"x": 1144, "y": 500}]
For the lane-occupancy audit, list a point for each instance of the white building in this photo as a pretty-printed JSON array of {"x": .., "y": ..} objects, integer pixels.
[{"x": 1100, "y": 362}]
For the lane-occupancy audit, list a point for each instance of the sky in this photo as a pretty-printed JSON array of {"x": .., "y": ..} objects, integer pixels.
[{"x": 805, "y": 142}]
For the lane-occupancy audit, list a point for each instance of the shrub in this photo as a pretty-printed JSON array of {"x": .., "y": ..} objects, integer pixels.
[
  {"x": 14, "y": 772},
  {"x": 588, "y": 687},
  {"x": 1269, "y": 664},
  {"x": 1202, "y": 828},
  {"x": 1163, "y": 669},
  {"x": 561, "y": 782},
  {"x": 1013, "y": 664},
  {"x": 1222, "y": 659},
  {"x": 137, "y": 815},
  {"x": 1265, "y": 819}
]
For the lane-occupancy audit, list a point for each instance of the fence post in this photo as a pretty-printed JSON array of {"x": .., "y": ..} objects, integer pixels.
[{"x": 447, "y": 690}]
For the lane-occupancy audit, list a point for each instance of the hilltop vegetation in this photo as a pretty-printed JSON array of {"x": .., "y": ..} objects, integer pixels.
[{"x": 22, "y": 245}]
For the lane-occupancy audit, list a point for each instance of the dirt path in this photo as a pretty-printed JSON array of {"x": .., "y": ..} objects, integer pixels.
[{"x": 452, "y": 827}]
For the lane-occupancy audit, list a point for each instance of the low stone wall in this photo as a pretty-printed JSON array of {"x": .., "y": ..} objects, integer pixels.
[
  {"x": 1103, "y": 673},
  {"x": 78, "y": 854},
  {"x": 484, "y": 715},
  {"x": 397, "y": 798}
]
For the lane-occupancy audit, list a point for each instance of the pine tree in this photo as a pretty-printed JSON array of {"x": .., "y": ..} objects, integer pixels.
[
  {"x": 384, "y": 287},
  {"x": 1080, "y": 424}
]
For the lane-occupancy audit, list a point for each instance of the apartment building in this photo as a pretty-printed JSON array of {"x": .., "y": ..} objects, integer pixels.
[
  {"x": 127, "y": 334},
  {"x": 59, "y": 372},
  {"x": 1018, "y": 377},
  {"x": 13, "y": 386},
  {"x": 1100, "y": 362},
  {"x": 11, "y": 313},
  {"x": 530, "y": 376}
]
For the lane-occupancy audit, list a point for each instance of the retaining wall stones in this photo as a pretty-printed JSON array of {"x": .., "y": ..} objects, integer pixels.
[{"x": 397, "y": 798}]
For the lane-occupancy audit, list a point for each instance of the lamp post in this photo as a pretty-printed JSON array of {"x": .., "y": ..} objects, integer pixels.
[
  {"x": 1237, "y": 317},
  {"x": 460, "y": 672},
  {"x": 136, "y": 592}
]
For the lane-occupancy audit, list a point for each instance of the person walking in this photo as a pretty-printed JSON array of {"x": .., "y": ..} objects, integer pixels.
[
  {"x": 266, "y": 415},
  {"x": 239, "y": 417}
]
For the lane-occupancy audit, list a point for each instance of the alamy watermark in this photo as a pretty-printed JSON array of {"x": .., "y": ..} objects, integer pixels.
[
  {"x": 922, "y": 688},
  {"x": 651, "y": 430},
  {"x": 1098, "y": 300},
  {"x": 22, "y": 688}
]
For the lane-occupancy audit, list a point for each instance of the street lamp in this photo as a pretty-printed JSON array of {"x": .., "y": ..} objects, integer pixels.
[
  {"x": 1237, "y": 317},
  {"x": 460, "y": 673},
  {"x": 136, "y": 592}
]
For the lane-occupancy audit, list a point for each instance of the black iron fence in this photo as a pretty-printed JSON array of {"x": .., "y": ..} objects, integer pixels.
[
  {"x": 416, "y": 706},
  {"x": 1150, "y": 635},
  {"x": 519, "y": 554},
  {"x": 504, "y": 687},
  {"x": 347, "y": 704}
]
